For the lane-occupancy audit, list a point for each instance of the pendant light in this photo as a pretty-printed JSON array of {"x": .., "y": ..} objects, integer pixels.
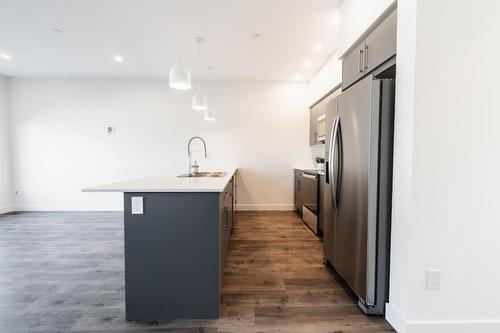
[
  {"x": 210, "y": 113},
  {"x": 178, "y": 76},
  {"x": 199, "y": 100}
]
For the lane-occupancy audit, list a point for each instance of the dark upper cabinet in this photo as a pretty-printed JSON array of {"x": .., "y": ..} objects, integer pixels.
[
  {"x": 381, "y": 43},
  {"x": 353, "y": 66},
  {"x": 378, "y": 46}
]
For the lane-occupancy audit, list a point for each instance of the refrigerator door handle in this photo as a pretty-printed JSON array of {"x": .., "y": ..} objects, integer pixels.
[
  {"x": 333, "y": 143},
  {"x": 340, "y": 167}
]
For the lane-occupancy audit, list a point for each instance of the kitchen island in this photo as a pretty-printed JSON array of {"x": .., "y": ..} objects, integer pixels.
[{"x": 176, "y": 238}]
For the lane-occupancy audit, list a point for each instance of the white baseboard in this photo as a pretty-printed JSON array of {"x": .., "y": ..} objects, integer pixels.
[
  {"x": 401, "y": 325},
  {"x": 6, "y": 209},
  {"x": 105, "y": 208},
  {"x": 71, "y": 208},
  {"x": 395, "y": 318},
  {"x": 284, "y": 207}
]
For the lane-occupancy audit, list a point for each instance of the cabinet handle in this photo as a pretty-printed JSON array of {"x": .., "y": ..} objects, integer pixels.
[
  {"x": 365, "y": 58},
  {"x": 226, "y": 216},
  {"x": 361, "y": 60}
]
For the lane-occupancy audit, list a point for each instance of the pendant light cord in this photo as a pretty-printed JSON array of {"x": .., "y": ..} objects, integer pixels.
[
  {"x": 199, "y": 65},
  {"x": 179, "y": 20}
]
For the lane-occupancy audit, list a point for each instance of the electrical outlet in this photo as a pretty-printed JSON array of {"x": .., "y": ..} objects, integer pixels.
[
  {"x": 137, "y": 206},
  {"x": 111, "y": 130},
  {"x": 433, "y": 280}
]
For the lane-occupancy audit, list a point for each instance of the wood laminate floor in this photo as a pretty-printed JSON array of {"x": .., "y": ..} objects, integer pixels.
[{"x": 63, "y": 272}]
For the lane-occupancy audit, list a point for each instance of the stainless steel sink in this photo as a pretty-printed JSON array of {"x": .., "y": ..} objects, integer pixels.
[{"x": 215, "y": 174}]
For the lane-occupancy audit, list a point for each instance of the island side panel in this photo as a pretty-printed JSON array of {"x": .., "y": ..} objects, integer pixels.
[{"x": 172, "y": 256}]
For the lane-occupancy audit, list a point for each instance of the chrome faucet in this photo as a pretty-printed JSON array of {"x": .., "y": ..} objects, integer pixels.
[{"x": 193, "y": 169}]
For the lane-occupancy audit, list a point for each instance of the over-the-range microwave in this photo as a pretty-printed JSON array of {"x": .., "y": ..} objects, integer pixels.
[{"x": 321, "y": 128}]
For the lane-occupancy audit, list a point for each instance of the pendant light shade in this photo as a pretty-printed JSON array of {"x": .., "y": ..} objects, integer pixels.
[
  {"x": 199, "y": 102},
  {"x": 179, "y": 77},
  {"x": 210, "y": 113}
]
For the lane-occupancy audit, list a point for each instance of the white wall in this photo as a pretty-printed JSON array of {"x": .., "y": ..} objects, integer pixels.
[
  {"x": 5, "y": 175},
  {"x": 60, "y": 144},
  {"x": 357, "y": 16},
  {"x": 445, "y": 213}
]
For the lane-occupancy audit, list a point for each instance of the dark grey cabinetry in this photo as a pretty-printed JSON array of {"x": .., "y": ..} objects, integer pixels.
[
  {"x": 298, "y": 197},
  {"x": 226, "y": 205},
  {"x": 175, "y": 253},
  {"x": 352, "y": 65},
  {"x": 381, "y": 43},
  {"x": 377, "y": 46}
]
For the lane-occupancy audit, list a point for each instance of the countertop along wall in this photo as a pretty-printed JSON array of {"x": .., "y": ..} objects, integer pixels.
[
  {"x": 5, "y": 162},
  {"x": 60, "y": 142}
]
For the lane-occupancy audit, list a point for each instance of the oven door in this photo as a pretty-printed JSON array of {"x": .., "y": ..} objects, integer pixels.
[{"x": 310, "y": 197}]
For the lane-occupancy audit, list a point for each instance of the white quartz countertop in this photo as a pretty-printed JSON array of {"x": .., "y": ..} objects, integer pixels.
[{"x": 168, "y": 183}]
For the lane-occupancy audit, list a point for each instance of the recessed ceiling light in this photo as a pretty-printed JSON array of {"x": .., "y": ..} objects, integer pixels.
[
  {"x": 5, "y": 56},
  {"x": 118, "y": 58},
  {"x": 256, "y": 35},
  {"x": 58, "y": 31},
  {"x": 307, "y": 64},
  {"x": 336, "y": 20},
  {"x": 298, "y": 77},
  {"x": 318, "y": 47}
]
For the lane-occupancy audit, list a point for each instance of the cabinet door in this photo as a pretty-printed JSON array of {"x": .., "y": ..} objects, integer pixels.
[
  {"x": 381, "y": 43},
  {"x": 352, "y": 65}
]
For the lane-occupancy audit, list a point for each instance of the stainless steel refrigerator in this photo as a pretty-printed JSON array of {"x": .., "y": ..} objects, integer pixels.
[{"x": 357, "y": 199}]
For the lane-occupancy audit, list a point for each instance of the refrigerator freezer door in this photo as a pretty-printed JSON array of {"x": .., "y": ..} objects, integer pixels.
[{"x": 355, "y": 235}]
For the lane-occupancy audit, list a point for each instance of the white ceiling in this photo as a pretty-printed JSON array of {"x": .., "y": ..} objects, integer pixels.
[{"x": 149, "y": 33}]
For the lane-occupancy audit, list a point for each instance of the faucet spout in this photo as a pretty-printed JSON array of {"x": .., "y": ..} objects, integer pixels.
[{"x": 193, "y": 169}]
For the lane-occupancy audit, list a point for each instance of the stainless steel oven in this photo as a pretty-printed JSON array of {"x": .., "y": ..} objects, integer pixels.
[{"x": 310, "y": 199}]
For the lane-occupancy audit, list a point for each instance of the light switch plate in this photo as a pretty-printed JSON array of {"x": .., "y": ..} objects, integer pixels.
[
  {"x": 137, "y": 206},
  {"x": 433, "y": 280}
]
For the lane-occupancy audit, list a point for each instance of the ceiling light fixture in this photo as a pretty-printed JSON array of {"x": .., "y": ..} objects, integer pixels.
[
  {"x": 118, "y": 58},
  {"x": 178, "y": 76},
  {"x": 210, "y": 113},
  {"x": 318, "y": 47},
  {"x": 5, "y": 56},
  {"x": 199, "y": 101},
  {"x": 307, "y": 64},
  {"x": 336, "y": 20}
]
